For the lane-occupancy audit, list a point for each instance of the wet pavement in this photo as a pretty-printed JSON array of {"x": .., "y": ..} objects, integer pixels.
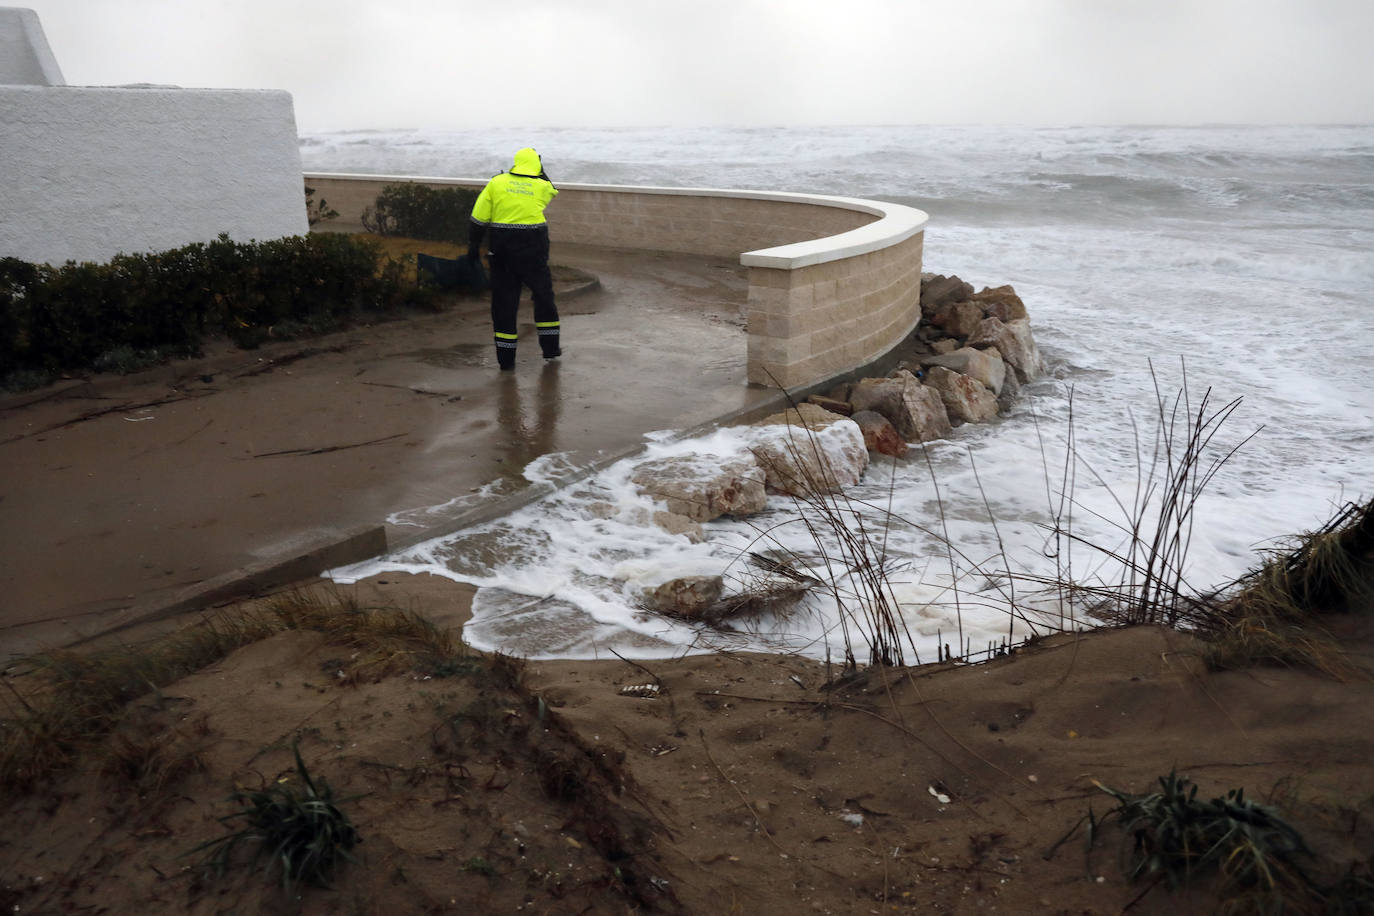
[{"x": 134, "y": 497}]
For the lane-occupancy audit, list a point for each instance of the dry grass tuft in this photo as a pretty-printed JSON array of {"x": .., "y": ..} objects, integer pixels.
[
  {"x": 850, "y": 561},
  {"x": 71, "y": 699},
  {"x": 152, "y": 760},
  {"x": 1272, "y": 615},
  {"x": 384, "y": 641},
  {"x": 1324, "y": 571}
]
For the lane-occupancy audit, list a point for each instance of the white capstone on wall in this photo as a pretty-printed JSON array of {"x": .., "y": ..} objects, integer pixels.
[
  {"x": 92, "y": 172},
  {"x": 25, "y": 58}
]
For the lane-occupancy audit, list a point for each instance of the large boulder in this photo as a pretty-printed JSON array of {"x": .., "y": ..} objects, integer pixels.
[
  {"x": 1001, "y": 302},
  {"x": 703, "y": 487},
  {"x": 917, "y": 412},
  {"x": 937, "y": 290},
  {"x": 1014, "y": 341},
  {"x": 984, "y": 365},
  {"x": 879, "y": 434},
  {"x": 807, "y": 450},
  {"x": 688, "y": 596},
  {"x": 957, "y": 319},
  {"x": 966, "y": 399}
]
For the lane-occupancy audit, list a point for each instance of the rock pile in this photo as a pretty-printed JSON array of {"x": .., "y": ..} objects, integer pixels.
[
  {"x": 968, "y": 359},
  {"x": 965, "y": 363}
]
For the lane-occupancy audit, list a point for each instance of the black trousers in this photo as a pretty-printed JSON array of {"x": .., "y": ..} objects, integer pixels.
[{"x": 520, "y": 258}]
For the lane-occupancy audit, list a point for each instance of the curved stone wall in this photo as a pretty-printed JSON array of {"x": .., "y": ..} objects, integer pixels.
[{"x": 834, "y": 282}]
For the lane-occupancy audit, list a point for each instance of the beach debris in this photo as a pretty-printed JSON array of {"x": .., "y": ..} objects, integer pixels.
[
  {"x": 784, "y": 565},
  {"x": 778, "y": 591},
  {"x": 939, "y": 796},
  {"x": 644, "y": 691}
]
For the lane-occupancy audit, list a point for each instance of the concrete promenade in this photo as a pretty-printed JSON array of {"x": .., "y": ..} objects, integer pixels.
[{"x": 135, "y": 497}]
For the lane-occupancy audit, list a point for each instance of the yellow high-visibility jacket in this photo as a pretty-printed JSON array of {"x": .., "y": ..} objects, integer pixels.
[{"x": 515, "y": 199}]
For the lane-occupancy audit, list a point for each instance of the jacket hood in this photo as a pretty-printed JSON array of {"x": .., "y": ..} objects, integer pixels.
[{"x": 527, "y": 162}]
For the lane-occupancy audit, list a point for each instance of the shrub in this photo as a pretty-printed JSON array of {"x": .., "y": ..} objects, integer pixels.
[
  {"x": 80, "y": 316},
  {"x": 418, "y": 211},
  {"x": 16, "y": 277},
  {"x": 1178, "y": 838}
]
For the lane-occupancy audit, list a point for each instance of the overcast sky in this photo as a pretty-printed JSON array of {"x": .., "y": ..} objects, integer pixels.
[{"x": 462, "y": 64}]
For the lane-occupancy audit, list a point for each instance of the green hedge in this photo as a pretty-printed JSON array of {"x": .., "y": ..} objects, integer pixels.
[
  {"x": 418, "y": 211},
  {"x": 55, "y": 319}
]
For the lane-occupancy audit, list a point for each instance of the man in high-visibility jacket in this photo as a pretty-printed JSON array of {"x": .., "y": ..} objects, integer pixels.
[{"x": 512, "y": 206}]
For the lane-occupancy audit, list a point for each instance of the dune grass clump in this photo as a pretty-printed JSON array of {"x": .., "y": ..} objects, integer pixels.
[
  {"x": 297, "y": 826},
  {"x": 382, "y": 641},
  {"x": 1327, "y": 570},
  {"x": 59, "y": 704},
  {"x": 1273, "y": 614},
  {"x": 1177, "y": 839}
]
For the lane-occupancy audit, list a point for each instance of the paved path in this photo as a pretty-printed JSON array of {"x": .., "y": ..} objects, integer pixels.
[{"x": 129, "y": 497}]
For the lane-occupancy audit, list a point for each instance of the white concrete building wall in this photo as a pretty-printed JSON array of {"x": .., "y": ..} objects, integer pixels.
[
  {"x": 92, "y": 172},
  {"x": 25, "y": 58}
]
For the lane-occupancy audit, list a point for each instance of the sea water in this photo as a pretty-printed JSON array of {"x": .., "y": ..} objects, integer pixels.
[{"x": 1167, "y": 271}]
